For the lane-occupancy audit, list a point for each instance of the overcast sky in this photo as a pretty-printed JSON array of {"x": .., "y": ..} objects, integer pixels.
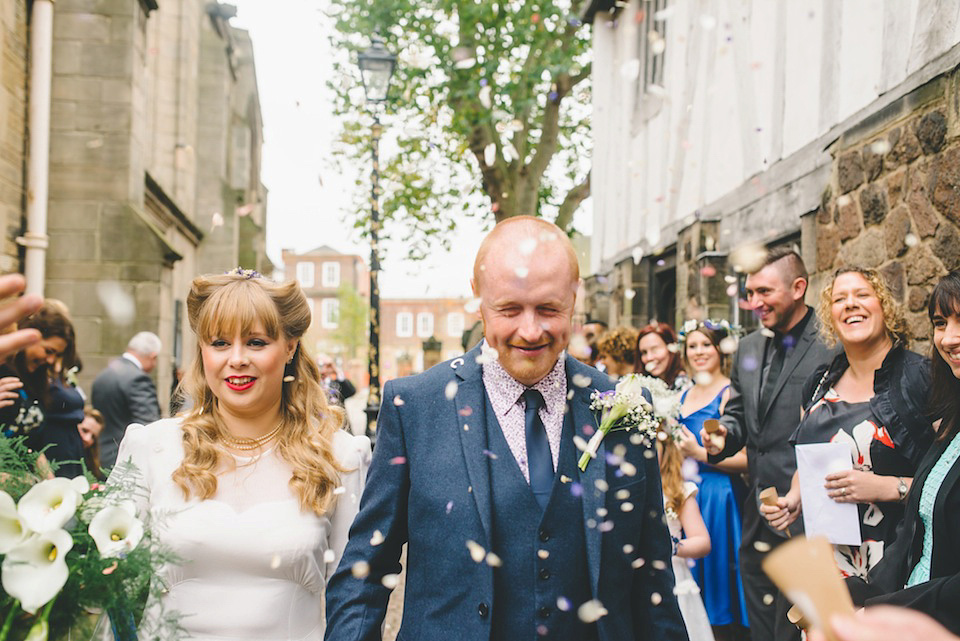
[{"x": 292, "y": 57}]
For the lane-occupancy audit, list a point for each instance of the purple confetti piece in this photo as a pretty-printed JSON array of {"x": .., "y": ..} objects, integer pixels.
[
  {"x": 552, "y": 95},
  {"x": 749, "y": 363},
  {"x": 789, "y": 341},
  {"x": 491, "y": 455},
  {"x": 483, "y": 82},
  {"x": 576, "y": 489},
  {"x": 449, "y": 506}
]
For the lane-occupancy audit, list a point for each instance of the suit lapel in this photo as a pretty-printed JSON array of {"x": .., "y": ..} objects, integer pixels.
[
  {"x": 593, "y": 497},
  {"x": 793, "y": 359},
  {"x": 471, "y": 424}
]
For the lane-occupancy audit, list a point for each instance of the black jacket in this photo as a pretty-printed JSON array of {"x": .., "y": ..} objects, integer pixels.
[
  {"x": 940, "y": 596},
  {"x": 901, "y": 388}
]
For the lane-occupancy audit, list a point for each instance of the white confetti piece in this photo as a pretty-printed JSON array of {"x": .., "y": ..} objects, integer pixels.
[
  {"x": 629, "y": 294},
  {"x": 466, "y": 63},
  {"x": 844, "y": 200},
  {"x": 602, "y": 512},
  {"x": 522, "y": 272},
  {"x": 708, "y": 22},
  {"x": 626, "y": 507},
  {"x": 601, "y": 485},
  {"x": 591, "y": 611},
  {"x": 580, "y": 442},
  {"x": 377, "y": 538},
  {"x": 768, "y": 599},
  {"x": 485, "y": 97},
  {"x": 637, "y": 564},
  {"x": 216, "y": 220},
  {"x": 477, "y": 553},
  {"x": 728, "y": 345},
  {"x": 630, "y": 69},
  {"x": 761, "y": 546},
  {"x": 472, "y": 306},
  {"x": 703, "y": 378},
  {"x": 527, "y": 246},
  {"x": 656, "y": 599},
  {"x": 543, "y": 554},
  {"x": 487, "y": 355},
  {"x": 664, "y": 14},
  {"x": 732, "y": 290},
  {"x": 659, "y": 565},
  {"x": 911, "y": 240},
  {"x": 117, "y": 302},
  {"x": 628, "y": 469},
  {"x": 581, "y": 380},
  {"x": 397, "y": 401},
  {"x": 636, "y": 438},
  {"x": 510, "y": 152},
  {"x": 490, "y": 154},
  {"x": 339, "y": 490},
  {"x": 96, "y": 143},
  {"x": 657, "y": 45},
  {"x": 748, "y": 258},
  {"x": 767, "y": 332},
  {"x": 493, "y": 560},
  {"x": 628, "y": 549},
  {"x": 360, "y": 570},
  {"x": 563, "y": 604},
  {"x": 275, "y": 562},
  {"x": 450, "y": 391},
  {"x": 390, "y": 581},
  {"x": 329, "y": 556},
  {"x": 623, "y": 494},
  {"x": 880, "y": 147}
]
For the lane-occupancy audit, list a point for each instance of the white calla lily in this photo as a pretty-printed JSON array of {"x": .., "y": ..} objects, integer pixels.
[
  {"x": 12, "y": 531},
  {"x": 116, "y": 530},
  {"x": 50, "y": 504},
  {"x": 36, "y": 570}
]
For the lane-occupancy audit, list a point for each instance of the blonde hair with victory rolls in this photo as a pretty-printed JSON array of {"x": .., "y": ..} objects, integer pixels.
[{"x": 227, "y": 304}]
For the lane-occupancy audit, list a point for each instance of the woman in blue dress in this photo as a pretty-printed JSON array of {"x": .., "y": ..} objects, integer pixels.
[{"x": 720, "y": 488}]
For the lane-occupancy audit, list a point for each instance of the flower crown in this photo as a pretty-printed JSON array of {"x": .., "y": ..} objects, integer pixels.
[
  {"x": 693, "y": 325},
  {"x": 245, "y": 273}
]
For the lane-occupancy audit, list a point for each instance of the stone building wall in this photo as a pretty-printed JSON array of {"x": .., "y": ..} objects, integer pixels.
[
  {"x": 13, "y": 112},
  {"x": 893, "y": 201}
]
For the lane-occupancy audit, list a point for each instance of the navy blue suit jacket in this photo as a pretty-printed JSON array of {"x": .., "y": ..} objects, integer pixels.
[{"x": 429, "y": 486}]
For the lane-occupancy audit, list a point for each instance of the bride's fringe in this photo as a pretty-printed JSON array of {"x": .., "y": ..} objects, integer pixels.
[{"x": 221, "y": 305}]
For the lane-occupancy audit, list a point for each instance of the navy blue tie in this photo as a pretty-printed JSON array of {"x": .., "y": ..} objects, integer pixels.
[{"x": 539, "y": 459}]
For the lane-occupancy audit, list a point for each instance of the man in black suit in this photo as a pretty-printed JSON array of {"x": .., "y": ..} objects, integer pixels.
[
  {"x": 763, "y": 411},
  {"x": 124, "y": 393}
]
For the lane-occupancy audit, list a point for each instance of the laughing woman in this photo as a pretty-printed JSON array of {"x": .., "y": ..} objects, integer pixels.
[
  {"x": 256, "y": 485},
  {"x": 873, "y": 399}
]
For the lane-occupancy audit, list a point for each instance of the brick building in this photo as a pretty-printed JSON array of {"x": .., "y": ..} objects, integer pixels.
[{"x": 405, "y": 323}]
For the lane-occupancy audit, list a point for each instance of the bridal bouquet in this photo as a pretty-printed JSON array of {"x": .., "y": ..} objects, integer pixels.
[
  {"x": 71, "y": 550},
  {"x": 622, "y": 408}
]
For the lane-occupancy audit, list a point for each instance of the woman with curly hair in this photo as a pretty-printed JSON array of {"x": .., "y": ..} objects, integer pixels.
[
  {"x": 616, "y": 350},
  {"x": 256, "y": 483},
  {"x": 872, "y": 398}
]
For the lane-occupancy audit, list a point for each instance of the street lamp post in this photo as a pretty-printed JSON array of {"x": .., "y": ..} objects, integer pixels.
[{"x": 376, "y": 69}]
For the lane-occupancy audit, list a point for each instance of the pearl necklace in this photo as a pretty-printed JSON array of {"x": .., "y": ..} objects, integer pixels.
[{"x": 247, "y": 444}]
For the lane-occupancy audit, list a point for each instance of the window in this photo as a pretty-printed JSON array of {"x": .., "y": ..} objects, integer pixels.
[
  {"x": 651, "y": 56},
  {"x": 330, "y": 275},
  {"x": 305, "y": 274},
  {"x": 455, "y": 324},
  {"x": 330, "y": 313},
  {"x": 311, "y": 305},
  {"x": 424, "y": 324},
  {"x": 404, "y": 324}
]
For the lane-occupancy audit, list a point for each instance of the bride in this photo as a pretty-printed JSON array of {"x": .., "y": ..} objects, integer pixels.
[{"x": 254, "y": 488}]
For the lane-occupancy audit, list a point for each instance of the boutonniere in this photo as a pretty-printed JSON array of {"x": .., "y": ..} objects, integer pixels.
[{"x": 622, "y": 408}]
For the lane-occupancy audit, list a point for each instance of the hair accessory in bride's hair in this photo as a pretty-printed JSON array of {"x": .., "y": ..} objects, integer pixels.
[{"x": 245, "y": 273}]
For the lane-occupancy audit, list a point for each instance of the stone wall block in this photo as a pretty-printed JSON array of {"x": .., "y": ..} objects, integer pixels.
[
  {"x": 75, "y": 88},
  {"x": 932, "y": 131},
  {"x": 81, "y": 26},
  {"x": 867, "y": 250},
  {"x": 924, "y": 215},
  {"x": 918, "y": 325},
  {"x": 896, "y": 183},
  {"x": 904, "y": 148},
  {"x": 893, "y": 275},
  {"x": 944, "y": 183},
  {"x": 108, "y": 60},
  {"x": 917, "y": 299},
  {"x": 66, "y": 57},
  {"x": 112, "y": 117},
  {"x": 895, "y": 231},
  {"x": 100, "y": 7},
  {"x": 872, "y": 163},
  {"x": 946, "y": 246},
  {"x": 850, "y": 172},
  {"x": 828, "y": 244},
  {"x": 922, "y": 267},
  {"x": 73, "y": 245},
  {"x": 848, "y": 218},
  {"x": 873, "y": 204}
]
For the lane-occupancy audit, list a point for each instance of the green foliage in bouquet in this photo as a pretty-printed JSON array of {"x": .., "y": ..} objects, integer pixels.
[{"x": 71, "y": 550}]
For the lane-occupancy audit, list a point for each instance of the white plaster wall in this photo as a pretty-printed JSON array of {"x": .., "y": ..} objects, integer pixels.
[{"x": 748, "y": 84}]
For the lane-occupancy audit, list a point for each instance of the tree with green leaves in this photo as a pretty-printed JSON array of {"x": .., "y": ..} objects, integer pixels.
[
  {"x": 489, "y": 105},
  {"x": 351, "y": 332}
]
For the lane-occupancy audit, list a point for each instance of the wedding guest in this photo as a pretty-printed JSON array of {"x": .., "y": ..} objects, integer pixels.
[
  {"x": 872, "y": 398},
  {"x": 33, "y": 367},
  {"x": 89, "y": 429},
  {"x": 763, "y": 411},
  {"x": 655, "y": 356},
  {"x": 721, "y": 490},
  {"x": 690, "y": 536},
  {"x": 256, "y": 483},
  {"x": 12, "y": 312},
  {"x": 617, "y": 351},
  {"x": 921, "y": 569}
]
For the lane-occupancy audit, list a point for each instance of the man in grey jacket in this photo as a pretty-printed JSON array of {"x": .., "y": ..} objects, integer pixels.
[
  {"x": 124, "y": 393},
  {"x": 769, "y": 370}
]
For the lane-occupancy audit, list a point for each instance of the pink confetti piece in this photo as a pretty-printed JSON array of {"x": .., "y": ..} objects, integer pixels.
[{"x": 398, "y": 460}]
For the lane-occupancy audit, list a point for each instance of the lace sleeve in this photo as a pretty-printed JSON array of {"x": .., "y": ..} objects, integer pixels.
[{"x": 353, "y": 453}]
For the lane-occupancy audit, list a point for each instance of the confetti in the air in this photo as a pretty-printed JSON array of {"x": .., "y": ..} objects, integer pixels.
[
  {"x": 329, "y": 556},
  {"x": 655, "y": 598},
  {"x": 629, "y": 294},
  {"x": 490, "y": 154},
  {"x": 390, "y": 581},
  {"x": 216, "y": 220},
  {"x": 768, "y": 599},
  {"x": 275, "y": 562},
  {"x": 522, "y": 272},
  {"x": 493, "y": 560},
  {"x": 397, "y": 401},
  {"x": 591, "y": 611},
  {"x": 761, "y": 546},
  {"x": 630, "y": 69},
  {"x": 398, "y": 460},
  {"x": 117, "y": 302},
  {"x": 485, "y": 96},
  {"x": 880, "y": 147},
  {"x": 728, "y": 345},
  {"x": 527, "y": 246},
  {"x": 360, "y": 570},
  {"x": 477, "y": 553},
  {"x": 637, "y": 255},
  {"x": 472, "y": 306},
  {"x": 911, "y": 240},
  {"x": 708, "y": 22},
  {"x": 581, "y": 380},
  {"x": 377, "y": 538},
  {"x": 450, "y": 391}
]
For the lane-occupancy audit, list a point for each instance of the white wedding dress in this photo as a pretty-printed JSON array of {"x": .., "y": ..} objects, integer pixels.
[{"x": 253, "y": 564}]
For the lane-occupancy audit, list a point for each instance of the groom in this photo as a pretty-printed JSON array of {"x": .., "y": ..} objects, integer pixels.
[{"x": 476, "y": 470}]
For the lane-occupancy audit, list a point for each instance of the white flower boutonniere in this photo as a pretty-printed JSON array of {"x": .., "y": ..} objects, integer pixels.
[{"x": 623, "y": 408}]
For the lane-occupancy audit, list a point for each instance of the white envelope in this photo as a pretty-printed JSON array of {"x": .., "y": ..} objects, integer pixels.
[{"x": 839, "y": 522}]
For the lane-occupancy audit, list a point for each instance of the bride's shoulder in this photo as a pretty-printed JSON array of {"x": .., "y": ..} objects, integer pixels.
[
  {"x": 352, "y": 452},
  {"x": 165, "y": 433}
]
